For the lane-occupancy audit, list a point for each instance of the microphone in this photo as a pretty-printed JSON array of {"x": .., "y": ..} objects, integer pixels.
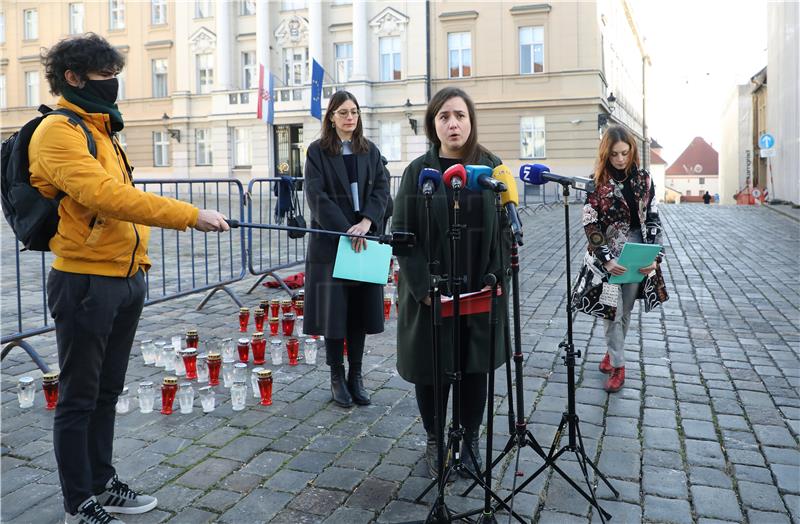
[
  {"x": 354, "y": 194},
  {"x": 509, "y": 198},
  {"x": 429, "y": 180},
  {"x": 539, "y": 174},
  {"x": 455, "y": 177},
  {"x": 480, "y": 177}
]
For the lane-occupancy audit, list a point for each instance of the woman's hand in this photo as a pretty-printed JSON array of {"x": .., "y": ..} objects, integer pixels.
[
  {"x": 360, "y": 229},
  {"x": 647, "y": 269},
  {"x": 613, "y": 268}
]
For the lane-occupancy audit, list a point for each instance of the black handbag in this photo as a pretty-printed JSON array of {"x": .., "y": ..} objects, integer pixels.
[{"x": 294, "y": 217}]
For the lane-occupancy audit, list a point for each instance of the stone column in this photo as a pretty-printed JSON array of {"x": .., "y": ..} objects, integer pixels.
[
  {"x": 224, "y": 58},
  {"x": 359, "y": 40},
  {"x": 315, "y": 34}
]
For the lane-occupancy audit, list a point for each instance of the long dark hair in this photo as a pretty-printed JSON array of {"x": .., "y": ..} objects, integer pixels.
[
  {"x": 330, "y": 142},
  {"x": 472, "y": 149},
  {"x": 613, "y": 135}
]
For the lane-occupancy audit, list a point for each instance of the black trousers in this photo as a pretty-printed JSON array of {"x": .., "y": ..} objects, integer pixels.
[
  {"x": 355, "y": 329},
  {"x": 473, "y": 401},
  {"x": 96, "y": 319}
]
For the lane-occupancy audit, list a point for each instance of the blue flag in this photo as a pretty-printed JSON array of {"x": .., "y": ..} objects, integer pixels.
[{"x": 316, "y": 90}]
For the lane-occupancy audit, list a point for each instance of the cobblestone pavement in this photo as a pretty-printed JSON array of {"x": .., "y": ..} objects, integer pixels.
[{"x": 705, "y": 429}]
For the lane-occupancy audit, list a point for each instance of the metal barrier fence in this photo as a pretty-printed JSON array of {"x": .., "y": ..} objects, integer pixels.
[{"x": 184, "y": 263}]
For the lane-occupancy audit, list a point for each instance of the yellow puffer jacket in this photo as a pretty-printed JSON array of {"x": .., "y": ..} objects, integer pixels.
[{"x": 103, "y": 218}]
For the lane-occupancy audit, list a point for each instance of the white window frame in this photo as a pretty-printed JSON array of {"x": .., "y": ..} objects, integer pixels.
[
  {"x": 249, "y": 70},
  {"x": 31, "y": 88},
  {"x": 116, "y": 15},
  {"x": 158, "y": 12},
  {"x": 205, "y": 72},
  {"x": 30, "y": 24},
  {"x": 701, "y": 180},
  {"x": 391, "y": 57},
  {"x": 160, "y": 149},
  {"x": 77, "y": 16},
  {"x": 458, "y": 53},
  {"x": 390, "y": 139},
  {"x": 159, "y": 77},
  {"x": 532, "y": 137},
  {"x": 531, "y": 36},
  {"x": 123, "y": 140},
  {"x": 3, "y": 99},
  {"x": 203, "y": 9},
  {"x": 343, "y": 62},
  {"x": 295, "y": 66},
  {"x": 242, "y": 147},
  {"x": 293, "y": 5},
  {"x": 2, "y": 27},
  {"x": 247, "y": 7},
  {"x": 203, "y": 155}
]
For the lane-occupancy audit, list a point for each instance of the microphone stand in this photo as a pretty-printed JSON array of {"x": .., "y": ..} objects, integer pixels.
[{"x": 570, "y": 417}]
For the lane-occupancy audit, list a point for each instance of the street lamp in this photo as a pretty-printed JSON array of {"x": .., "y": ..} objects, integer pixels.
[
  {"x": 410, "y": 116},
  {"x": 603, "y": 118},
  {"x": 173, "y": 133}
]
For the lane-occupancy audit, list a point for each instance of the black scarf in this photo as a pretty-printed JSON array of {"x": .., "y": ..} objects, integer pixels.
[{"x": 94, "y": 104}]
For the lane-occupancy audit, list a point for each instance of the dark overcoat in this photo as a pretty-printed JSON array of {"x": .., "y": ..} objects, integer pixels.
[
  {"x": 327, "y": 192},
  {"x": 414, "y": 351}
]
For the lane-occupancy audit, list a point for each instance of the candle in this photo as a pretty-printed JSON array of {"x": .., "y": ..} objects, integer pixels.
[
  {"x": 190, "y": 362},
  {"x": 259, "y": 345},
  {"x": 244, "y": 318},
  {"x": 169, "y": 387},
  {"x": 214, "y": 363},
  {"x": 265, "y": 386},
  {"x": 50, "y": 387},
  {"x": 258, "y": 316},
  {"x": 292, "y": 349},
  {"x": 243, "y": 347}
]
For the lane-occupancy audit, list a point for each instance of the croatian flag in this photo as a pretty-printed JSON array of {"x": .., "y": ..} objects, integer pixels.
[
  {"x": 316, "y": 90},
  {"x": 266, "y": 97}
]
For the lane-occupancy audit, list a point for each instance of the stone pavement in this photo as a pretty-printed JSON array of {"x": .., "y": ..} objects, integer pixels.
[{"x": 705, "y": 430}]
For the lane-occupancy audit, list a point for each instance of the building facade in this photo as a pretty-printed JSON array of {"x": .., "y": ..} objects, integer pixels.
[
  {"x": 540, "y": 75},
  {"x": 695, "y": 171}
]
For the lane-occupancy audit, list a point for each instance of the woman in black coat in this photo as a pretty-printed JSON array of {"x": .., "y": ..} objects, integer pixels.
[
  {"x": 347, "y": 190},
  {"x": 451, "y": 128}
]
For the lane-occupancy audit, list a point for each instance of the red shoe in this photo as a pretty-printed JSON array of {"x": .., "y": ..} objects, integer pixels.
[
  {"x": 616, "y": 380},
  {"x": 605, "y": 364}
]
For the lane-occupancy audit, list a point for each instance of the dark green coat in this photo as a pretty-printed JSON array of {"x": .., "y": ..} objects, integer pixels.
[{"x": 414, "y": 352}]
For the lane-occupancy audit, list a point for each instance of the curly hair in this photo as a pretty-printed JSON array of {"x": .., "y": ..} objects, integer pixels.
[{"x": 88, "y": 53}]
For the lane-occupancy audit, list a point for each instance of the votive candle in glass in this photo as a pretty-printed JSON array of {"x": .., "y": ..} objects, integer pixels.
[
  {"x": 254, "y": 380},
  {"x": 177, "y": 342},
  {"x": 238, "y": 395},
  {"x": 50, "y": 388},
  {"x": 299, "y": 307},
  {"x": 148, "y": 351},
  {"x": 177, "y": 363},
  {"x": 265, "y": 386},
  {"x": 258, "y": 318},
  {"x": 244, "y": 318},
  {"x": 186, "y": 397},
  {"x": 147, "y": 396},
  {"x": 189, "y": 356},
  {"x": 226, "y": 347},
  {"x": 274, "y": 326},
  {"x": 243, "y": 347},
  {"x": 288, "y": 324},
  {"x": 293, "y": 349},
  {"x": 276, "y": 351},
  {"x": 207, "y": 398},
  {"x": 159, "y": 353},
  {"x": 227, "y": 372},
  {"x": 286, "y": 305},
  {"x": 169, "y": 386},
  {"x": 168, "y": 358},
  {"x": 264, "y": 305},
  {"x": 387, "y": 306},
  {"x": 214, "y": 361},
  {"x": 192, "y": 339},
  {"x": 202, "y": 368},
  {"x": 274, "y": 307},
  {"x": 26, "y": 389},
  {"x": 259, "y": 345},
  {"x": 310, "y": 351},
  {"x": 123, "y": 401},
  {"x": 239, "y": 371}
]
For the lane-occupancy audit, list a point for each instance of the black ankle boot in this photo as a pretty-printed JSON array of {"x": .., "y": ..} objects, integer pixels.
[
  {"x": 432, "y": 455},
  {"x": 355, "y": 385},
  {"x": 338, "y": 386},
  {"x": 471, "y": 440}
]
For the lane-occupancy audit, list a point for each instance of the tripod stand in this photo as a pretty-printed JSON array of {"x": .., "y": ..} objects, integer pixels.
[{"x": 569, "y": 419}]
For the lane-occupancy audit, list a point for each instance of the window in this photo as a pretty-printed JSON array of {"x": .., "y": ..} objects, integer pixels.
[
  {"x": 122, "y": 82},
  {"x": 159, "y": 66},
  {"x": 3, "y": 102},
  {"x": 76, "y": 18},
  {"x": 295, "y": 65},
  {"x": 531, "y": 137},
  {"x": 202, "y": 8},
  {"x": 158, "y": 12},
  {"x": 531, "y": 50},
  {"x": 160, "y": 148},
  {"x": 249, "y": 78},
  {"x": 31, "y": 88},
  {"x": 290, "y": 5},
  {"x": 390, "y": 140},
  {"x": 123, "y": 141},
  {"x": 116, "y": 12},
  {"x": 202, "y": 149},
  {"x": 30, "y": 24},
  {"x": 459, "y": 49},
  {"x": 241, "y": 147},
  {"x": 688, "y": 192},
  {"x": 344, "y": 62},
  {"x": 701, "y": 181},
  {"x": 247, "y": 7},
  {"x": 390, "y": 57},
  {"x": 2, "y": 28},
  {"x": 205, "y": 73}
]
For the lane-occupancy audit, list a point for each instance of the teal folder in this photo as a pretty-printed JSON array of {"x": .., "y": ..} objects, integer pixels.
[
  {"x": 634, "y": 257},
  {"x": 370, "y": 265}
]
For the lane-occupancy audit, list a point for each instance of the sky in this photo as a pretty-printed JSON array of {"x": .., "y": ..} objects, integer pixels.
[{"x": 700, "y": 51}]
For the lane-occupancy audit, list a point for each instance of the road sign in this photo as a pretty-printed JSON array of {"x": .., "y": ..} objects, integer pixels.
[
  {"x": 766, "y": 141},
  {"x": 764, "y": 153}
]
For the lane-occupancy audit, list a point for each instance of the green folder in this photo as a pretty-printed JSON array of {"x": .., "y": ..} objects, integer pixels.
[
  {"x": 633, "y": 258},
  {"x": 370, "y": 265}
]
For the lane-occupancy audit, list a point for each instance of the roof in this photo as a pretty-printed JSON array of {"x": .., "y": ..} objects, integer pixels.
[
  {"x": 655, "y": 158},
  {"x": 654, "y": 144},
  {"x": 699, "y": 158}
]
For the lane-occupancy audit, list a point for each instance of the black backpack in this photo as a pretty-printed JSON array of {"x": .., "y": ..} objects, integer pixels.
[{"x": 32, "y": 216}]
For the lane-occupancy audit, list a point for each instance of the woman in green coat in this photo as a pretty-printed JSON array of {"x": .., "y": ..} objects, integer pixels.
[{"x": 450, "y": 127}]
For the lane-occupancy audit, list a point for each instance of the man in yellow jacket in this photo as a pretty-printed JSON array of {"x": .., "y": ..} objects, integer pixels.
[{"x": 96, "y": 287}]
